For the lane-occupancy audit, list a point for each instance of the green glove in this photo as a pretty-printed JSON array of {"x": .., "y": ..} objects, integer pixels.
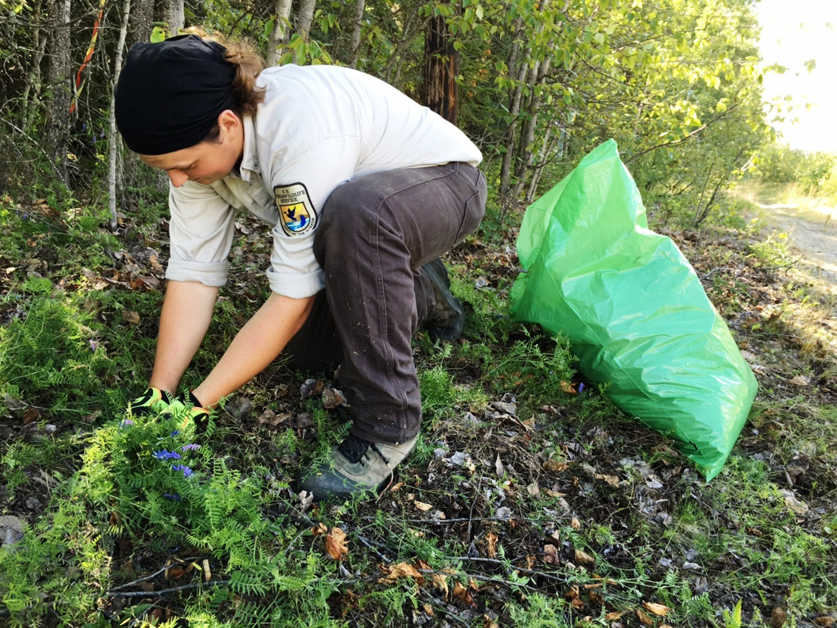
[
  {"x": 196, "y": 413},
  {"x": 152, "y": 400}
]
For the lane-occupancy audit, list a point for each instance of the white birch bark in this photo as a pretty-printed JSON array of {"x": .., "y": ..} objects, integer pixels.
[
  {"x": 114, "y": 141},
  {"x": 279, "y": 36},
  {"x": 360, "y": 5}
]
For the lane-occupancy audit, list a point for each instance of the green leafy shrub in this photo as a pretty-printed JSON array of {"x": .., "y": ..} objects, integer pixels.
[{"x": 51, "y": 357}]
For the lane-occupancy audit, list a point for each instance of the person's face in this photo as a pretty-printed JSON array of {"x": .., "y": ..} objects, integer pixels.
[{"x": 207, "y": 161}]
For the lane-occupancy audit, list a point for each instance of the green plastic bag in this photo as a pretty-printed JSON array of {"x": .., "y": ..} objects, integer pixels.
[{"x": 633, "y": 308}]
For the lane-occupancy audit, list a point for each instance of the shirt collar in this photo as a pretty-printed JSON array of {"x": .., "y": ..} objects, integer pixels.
[{"x": 249, "y": 159}]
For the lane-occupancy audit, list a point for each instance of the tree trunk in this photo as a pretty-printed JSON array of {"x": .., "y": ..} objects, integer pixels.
[
  {"x": 59, "y": 79},
  {"x": 304, "y": 18},
  {"x": 526, "y": 148},
  {"x": 360, "y": 5},
  {"x": 441, "y": 65},
  {"x": 175, "y": 16},
  {"x": 511, "y": 131},
  {"x": 279, "y": 35},
  {"x": 33, "y": 85},
  {"x": 540, "y": 164},
  {"x": 142, "y": 21},
  {"x": 392, "y": 71},
  {"x": 114, "y": 141}
]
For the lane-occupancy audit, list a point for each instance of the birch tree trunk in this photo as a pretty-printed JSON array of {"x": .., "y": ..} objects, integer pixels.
[
  {"x": 279, "y": 35},
  {"x": 33, "y": 85},
  {"x": 527, "y": 141},
  {"x": 441, "y": 65},
  {"x": 304, "y": 18},
  {"x": 175, "y": 16},
  {"x": 59, "y": 79},
  {"x": 114, "y": 141},
  {"x": 514, "y": 112},
  {"x": 360, "y": 5}
]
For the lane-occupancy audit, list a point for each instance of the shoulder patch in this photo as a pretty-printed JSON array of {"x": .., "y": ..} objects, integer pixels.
[{"x": 296, "y": 212}]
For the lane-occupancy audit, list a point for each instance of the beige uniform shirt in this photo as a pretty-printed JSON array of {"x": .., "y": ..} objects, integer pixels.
[{"x": 318, "y": 127}]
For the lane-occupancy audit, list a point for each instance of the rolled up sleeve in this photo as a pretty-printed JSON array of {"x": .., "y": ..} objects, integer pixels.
[{"x": 201, "y": 232}]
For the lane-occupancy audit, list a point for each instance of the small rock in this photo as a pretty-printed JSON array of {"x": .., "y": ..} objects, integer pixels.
[
  {"x": 504, "y": 513},
  {"x": 33, "y": 503},
  {"x": 11, "y": 530},
  {"x": 240, "y": 407},
  {"x": 439, "y": 452},
  {"x": 691, "y": 565},
  {"x": 333, "y": 397},
  {"x": 49, "y": 428}
]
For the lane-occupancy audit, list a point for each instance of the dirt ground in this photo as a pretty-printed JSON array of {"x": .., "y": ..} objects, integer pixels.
[{"x": 812, "y": 232}]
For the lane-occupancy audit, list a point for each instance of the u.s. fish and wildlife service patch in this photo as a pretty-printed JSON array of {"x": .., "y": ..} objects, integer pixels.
[{"x": 296, "y": 212}]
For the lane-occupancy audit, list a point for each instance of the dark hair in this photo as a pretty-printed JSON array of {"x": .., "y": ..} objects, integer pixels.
[{"x": 248, "y": 64}]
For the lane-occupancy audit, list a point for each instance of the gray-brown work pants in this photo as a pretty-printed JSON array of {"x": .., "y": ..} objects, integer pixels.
[{"x": 375, "y": 233}]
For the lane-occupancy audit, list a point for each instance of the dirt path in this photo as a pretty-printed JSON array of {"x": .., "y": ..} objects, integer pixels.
[{"x": 812, "y": 233}]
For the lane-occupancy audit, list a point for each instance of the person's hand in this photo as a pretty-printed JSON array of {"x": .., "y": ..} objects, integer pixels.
[
  {"x": 195, "y": 412},
  {"x": 152, "y": 400}
]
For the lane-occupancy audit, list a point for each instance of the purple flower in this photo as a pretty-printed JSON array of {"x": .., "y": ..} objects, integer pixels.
[
  {"x": 175, "y": 433},
  {"x": 190, "y": 447},
  {"x": 126, "y": 423},
  {"x": 182, "y": 467},
  {"x": 166, "y": 455},
  {"x": 580, "y": 387}
]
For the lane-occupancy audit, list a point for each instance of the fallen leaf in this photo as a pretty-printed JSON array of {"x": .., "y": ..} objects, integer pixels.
[
  {"x": 533, "y": 489},
  {"x": 825, "y": 620},
  {"x": 800, "y": 380},
  {"x": 207, "y": 572},
  {"x": 498, "y": 466},
  {"x": 422, "y": 506},
  {"x": 583, "y": 558},
  {"x": 491, "y": 544},
  {"x": 610, "y": 479},
  {"x": 336, "y": 544},
  {"x": 31, "y": 414},
  {"x": 131, "y": 317},
  {"x": 614, "y": 615},
  {"x": 440, "y": 581},
  {"x": 575, "y": 524},
  {"x": 644, "y": 617},
  {"x": 400, "y": 570},
  {"x": 332, "y": 398},
  {"x": 568, "y": 388},
  {"x": 658, "y": 609},
  {"x": 396, "y": 487},
  {"x": 462, "y": 594},
  {"x": 555, "y": 465},
  {"x": 550, "y": 554}
]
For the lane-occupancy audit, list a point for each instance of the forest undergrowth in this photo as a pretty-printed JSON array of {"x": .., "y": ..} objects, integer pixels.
[{"x": 530, "y": 499}]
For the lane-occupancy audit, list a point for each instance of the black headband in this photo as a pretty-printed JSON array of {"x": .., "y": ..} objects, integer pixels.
[{"x": 169, "y": 94}]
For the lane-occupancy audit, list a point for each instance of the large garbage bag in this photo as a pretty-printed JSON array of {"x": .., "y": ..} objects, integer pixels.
[{"x": 633, "y": 308}]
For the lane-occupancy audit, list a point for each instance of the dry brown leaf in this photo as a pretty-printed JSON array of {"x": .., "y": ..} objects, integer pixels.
[
  {"x": 555, "y": 465},
  {"x": 825, "y": 620},
  {"x": 336, "y": 544},
  {"x": 583, "y": 557},
  {"x": 555, "y": 536},
  {"x": 577, "y": 604},
  {"x": 428, "y": 609},
  {"x": 530, "y": 560},
  {"x": 396, "y": 486},
  {"x": 644, "y": 617},
  {"x": 131, "y": 317},
  {"x": 440, "y": 581},
  {"x": 614, "y": 615},
  {"x": 461, "y": 593},
  {"x": 319, "y": 529},
  {"x": 612, "y": 480},
  {"x": 491, "y": 544},
  {"x": 575, "y": 524},
  {"x": 568, "y": 388},
  {"x": 422, "y": 506},
  {"x": 658, "y": 609},
  {"x": 401, "y": 570},
  {"x": 550, "y": 554},
  {"x": 572, "y": 593}
]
